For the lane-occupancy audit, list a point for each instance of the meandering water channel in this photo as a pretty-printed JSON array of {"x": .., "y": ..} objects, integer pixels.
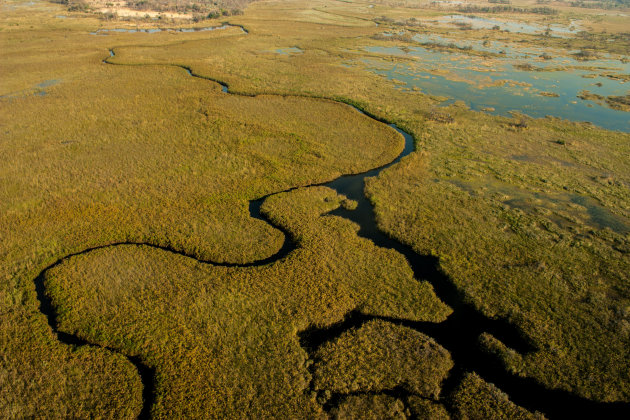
[
  {"x": 517, "y": 79},
  {"x": 459, "y": 334}
]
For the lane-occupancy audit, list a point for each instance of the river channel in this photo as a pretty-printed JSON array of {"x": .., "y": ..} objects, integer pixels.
[{"x": 459, "y": 334}]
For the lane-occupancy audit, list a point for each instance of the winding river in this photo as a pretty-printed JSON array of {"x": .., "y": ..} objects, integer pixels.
[{"x": 459, "y": 334}]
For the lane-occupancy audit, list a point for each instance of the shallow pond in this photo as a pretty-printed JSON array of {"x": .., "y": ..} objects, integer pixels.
[
  {"x": 475, "y": 22},
  {"x": 157, "y": 30},
  {"x": 498, "y": 85}
]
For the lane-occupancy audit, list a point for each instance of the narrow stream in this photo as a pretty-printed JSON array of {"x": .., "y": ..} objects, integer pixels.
[
  {"x": 459, "y": 334},
  {"x": 159, "y": 30}
]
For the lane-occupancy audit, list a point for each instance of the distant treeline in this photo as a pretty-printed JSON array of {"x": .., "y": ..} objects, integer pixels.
[
  {"x": 506, "y": 9},
  {"x": 74, "y": 5},
  {"x": 200, "y": 9},
  {"x": 603, "y": 4},
  {"x": 213, "y": 9}
]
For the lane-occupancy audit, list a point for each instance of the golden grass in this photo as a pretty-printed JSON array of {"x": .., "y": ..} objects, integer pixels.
[
  {"x": 149, "y": 154},
  {"x": 369, "y": 407},
  {"x": 138, "y": 154},
  {"x": 381, "y": 356},
  {"x": 512, "y": 239},
  {"x": 235, "y": 328},
  {"x": 477, "y": 399},
  {"x": 426, "y": 409}
]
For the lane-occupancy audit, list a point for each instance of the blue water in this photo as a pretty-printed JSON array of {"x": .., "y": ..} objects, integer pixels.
[
  {"x": 47, "y": 83},
  {"x": 511, "y": 26},
  {"x": 497, "y": 83},
  {"x": 156, "y": 30}
]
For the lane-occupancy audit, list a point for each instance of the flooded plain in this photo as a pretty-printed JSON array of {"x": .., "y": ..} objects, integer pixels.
[
  {"x": 477, "y": 22},
  {"x": 500, "y": 78}
]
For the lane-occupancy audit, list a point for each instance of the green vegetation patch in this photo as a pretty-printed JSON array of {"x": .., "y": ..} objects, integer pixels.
[
  {"x": 236, "y": 328},
  {"x": 621, "y": 103},
  {"x": 531, "y": 223},
  {"x": 389, "y": 289},
  {"x": 422, "y": 408},
  {"x": 370, "y": 407},
  {"x": 476, "y": 399},
  {"x": 529, "y": 218},
  {"x": 382, "y": 356}
]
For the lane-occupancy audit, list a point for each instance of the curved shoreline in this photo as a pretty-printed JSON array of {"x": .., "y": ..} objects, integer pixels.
[{"x": 458, "y": 334}]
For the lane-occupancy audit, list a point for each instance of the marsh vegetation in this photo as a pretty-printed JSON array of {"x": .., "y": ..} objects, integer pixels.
[{"x": 173, "y": 246}]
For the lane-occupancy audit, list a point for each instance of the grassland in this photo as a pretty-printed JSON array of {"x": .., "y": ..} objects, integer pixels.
[
  {"x": 514, "y": 208},
  {"x": 540, "y": 242},
  {"x": 476, "y": 399},
  {"x": 365, "y": 360},
  {"x": 234, "y": 327}
]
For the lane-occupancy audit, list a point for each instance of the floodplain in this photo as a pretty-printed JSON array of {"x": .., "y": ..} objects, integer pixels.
[{"x": 322, "y": 209}]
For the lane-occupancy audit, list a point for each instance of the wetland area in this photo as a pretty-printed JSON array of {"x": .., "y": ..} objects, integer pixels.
[{"x": 290, "y": 209}]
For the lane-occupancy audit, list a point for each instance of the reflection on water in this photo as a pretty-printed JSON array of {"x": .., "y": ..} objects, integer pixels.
[
  {"x": 475, "y": 22},
  {"x": 503, "y": 83},
  {"x": 156, "y": 30}
]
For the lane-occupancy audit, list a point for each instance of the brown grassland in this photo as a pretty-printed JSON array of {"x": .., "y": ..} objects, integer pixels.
[{"x": 530, "y": 219}]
